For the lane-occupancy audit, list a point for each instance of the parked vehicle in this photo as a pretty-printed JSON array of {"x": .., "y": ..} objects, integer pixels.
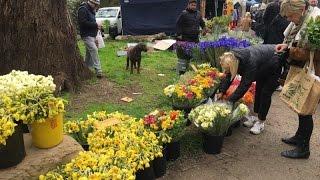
[{"x": 113, "y": 15}]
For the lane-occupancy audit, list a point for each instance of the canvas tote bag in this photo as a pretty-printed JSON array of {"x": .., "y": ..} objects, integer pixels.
[{"x": 301, "y": 91}]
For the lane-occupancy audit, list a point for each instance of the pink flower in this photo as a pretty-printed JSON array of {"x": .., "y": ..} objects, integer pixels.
[
  {"x": 192, "y": 81},
  {"x": 150, "y": 119},
  {"x": 189, "y": 95}
]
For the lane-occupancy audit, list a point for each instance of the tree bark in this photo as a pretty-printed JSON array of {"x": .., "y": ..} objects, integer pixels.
[{"x": 37, "y": 36}]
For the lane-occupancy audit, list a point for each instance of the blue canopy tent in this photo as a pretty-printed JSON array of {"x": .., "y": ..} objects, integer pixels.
[{"x": 142, "y": 17}]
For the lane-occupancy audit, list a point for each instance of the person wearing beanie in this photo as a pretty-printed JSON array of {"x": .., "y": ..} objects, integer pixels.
[
  {"x": 88, "y": 32},
  {"x": 189, "y": 23},
  {"x": 257, "y": 63}
]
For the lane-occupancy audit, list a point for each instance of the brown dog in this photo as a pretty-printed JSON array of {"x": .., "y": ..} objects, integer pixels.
[{"x": 134, "y": 56}]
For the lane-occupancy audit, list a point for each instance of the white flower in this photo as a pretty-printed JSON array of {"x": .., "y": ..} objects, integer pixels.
[
  {"x": 205, "y": 125},
  {"x": 169, "y": 90}
]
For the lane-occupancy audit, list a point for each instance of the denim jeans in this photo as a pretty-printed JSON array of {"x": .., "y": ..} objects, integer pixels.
[{"x": 92, "y": 57}]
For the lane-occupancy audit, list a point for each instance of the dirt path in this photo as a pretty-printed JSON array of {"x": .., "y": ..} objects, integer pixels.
[{"x": 245, "y": 156}]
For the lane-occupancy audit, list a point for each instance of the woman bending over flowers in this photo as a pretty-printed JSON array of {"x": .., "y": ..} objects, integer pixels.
[{"x": 256, "y": 63}]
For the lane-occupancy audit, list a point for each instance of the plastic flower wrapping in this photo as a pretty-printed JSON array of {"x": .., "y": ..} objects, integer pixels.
[
  {"x": 194, "y": 88},
  {"x": 215, "y": 118},
  {"x": 168, "y": 126},
  {"x": 29, "y": 97},
  {"x": 248, "y": 97},
  {"x": 185, "y": 96},
  {"x": 241, "y": 111}
]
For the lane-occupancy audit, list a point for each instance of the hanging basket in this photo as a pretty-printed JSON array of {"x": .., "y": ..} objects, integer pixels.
[
  {"x": 212, "y": 144},
  {"x": 47, "y": 134},
  {"x": 13, "y": 152},
  {"x": 146, "y": 173},
  {"x": 173, "y": 151}
]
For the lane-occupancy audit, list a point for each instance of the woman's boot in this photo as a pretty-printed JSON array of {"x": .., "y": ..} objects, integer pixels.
[
  {"x": 302, "y": 150},
  {"x": 297, "y": 138}
]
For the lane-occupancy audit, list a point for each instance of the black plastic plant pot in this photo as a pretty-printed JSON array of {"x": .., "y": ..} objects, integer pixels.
[
  {"x": 159, "y": 166},
  {"x": 212, "y": 144},
  {"x": 13, "y": 152},
  {"x": 236, "y": 124},
  {"x": 85, "y": 147},
  {"x": 146, "y": 173},
  {"x": 229, "y": 132},
  {"x": 186, "y": 114},
  {"x": 173, "y": 151}
]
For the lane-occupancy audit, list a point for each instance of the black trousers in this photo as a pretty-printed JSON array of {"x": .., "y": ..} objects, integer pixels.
[
  {"x": 305, "y": 129},
  {"x": 266, "y": 83}
]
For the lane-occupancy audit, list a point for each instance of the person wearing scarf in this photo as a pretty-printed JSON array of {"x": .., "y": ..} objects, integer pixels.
[{"x": 298, "y": 12}]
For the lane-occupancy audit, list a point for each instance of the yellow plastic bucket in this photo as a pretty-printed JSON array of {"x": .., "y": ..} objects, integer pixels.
[{"x": 49, "y": 133}]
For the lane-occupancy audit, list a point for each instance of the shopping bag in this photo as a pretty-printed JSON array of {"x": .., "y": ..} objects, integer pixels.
[
  {"x": 302, "y": 91},
  {"x": 100, "y": 40},
  {"x": 293, "y": 71}
]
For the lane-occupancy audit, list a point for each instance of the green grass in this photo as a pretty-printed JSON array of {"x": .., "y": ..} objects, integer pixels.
[{"x": 148, "y": 82}]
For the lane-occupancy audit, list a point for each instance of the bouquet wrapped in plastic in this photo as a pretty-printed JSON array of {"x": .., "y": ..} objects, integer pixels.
[{"x": 215, "y": 119}]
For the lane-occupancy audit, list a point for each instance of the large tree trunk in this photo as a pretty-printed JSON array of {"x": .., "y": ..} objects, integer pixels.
[{"x": 38, "y": 36}]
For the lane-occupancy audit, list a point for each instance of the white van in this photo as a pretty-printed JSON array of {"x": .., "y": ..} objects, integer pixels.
[{"x": 113, "y": 15}]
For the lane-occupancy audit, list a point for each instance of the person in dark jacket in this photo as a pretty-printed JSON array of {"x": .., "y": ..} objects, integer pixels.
[
  {"x": 88, "y": 32},
  {"x": 256, "y": 63},
  {"x": 189, "y": 23},
  {"x": 274, "y": 23}
]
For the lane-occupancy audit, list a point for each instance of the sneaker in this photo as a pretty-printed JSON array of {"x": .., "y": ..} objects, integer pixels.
[
  {"x": 257, "y": 128},
  {"x": 250, "y": 121}
]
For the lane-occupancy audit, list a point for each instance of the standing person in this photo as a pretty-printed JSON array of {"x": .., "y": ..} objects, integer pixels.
[
  {"x": 234, "y": 18},
  {"x": 298, "y": 12},
  {"x": 88, "y": 32},
  {"x": 274, "y": 23},
  {"x": 256, "y": 63},
  {"x": 189, "y": 23},
  {"x": 246, "y": 22}
]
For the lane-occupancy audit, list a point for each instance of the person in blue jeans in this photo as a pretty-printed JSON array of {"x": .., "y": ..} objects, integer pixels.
[{"x": 88, "y": 31}]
